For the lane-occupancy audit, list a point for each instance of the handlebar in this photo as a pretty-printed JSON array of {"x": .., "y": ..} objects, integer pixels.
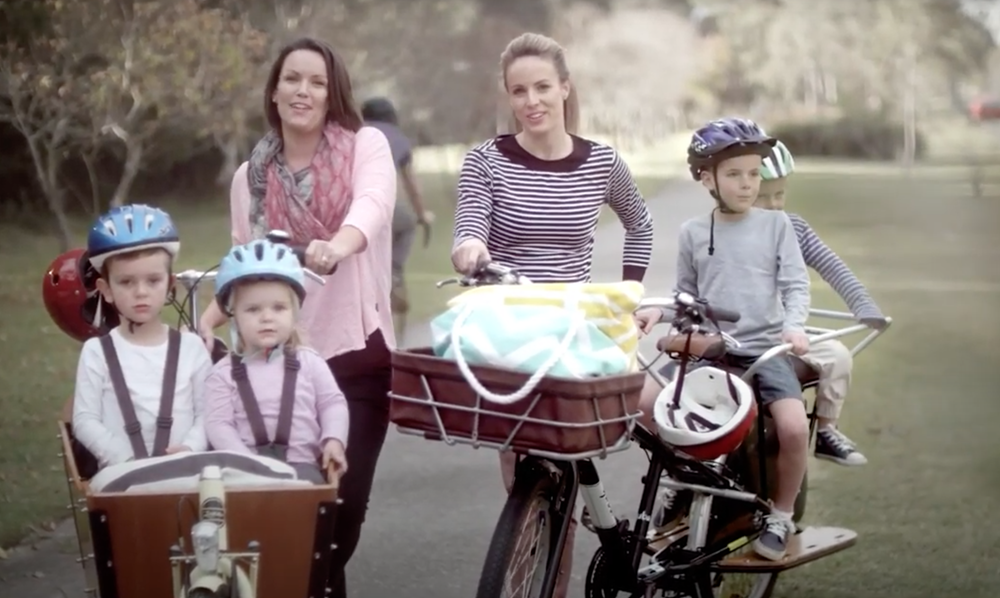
[
  {"x": 192, "y": 278},
  {"x": 819, "y": 335},
  {"x": 488, "y": 274},
  {"x": 691, "y": 312},
  {"x": 281, "y": 237}
]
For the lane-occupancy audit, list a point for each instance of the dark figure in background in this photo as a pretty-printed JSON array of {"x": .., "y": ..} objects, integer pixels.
[{"x": 381, "y": 114}]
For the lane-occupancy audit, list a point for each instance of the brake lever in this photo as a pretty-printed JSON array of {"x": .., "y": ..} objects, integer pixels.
[
  {"x": 730, "y": 341},
  {"x": 313, "y": 276},
  {"x": 446, "y": 282}
]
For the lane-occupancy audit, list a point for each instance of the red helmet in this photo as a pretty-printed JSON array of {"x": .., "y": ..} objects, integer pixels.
[
  {"x": 70, "y": 294},
  {"x": 713, "y": 415}
]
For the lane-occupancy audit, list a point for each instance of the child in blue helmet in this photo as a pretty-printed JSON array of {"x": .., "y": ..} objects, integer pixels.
[
  {"x": 745, "y": 259},
  {"x": 138, "y": 387},
  {"x": 272, "y": 396}
]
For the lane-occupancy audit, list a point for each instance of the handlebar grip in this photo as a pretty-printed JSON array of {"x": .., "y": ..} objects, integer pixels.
[
  {"x": 299, "y": 250},
  {"x": 721, "y": 314}
]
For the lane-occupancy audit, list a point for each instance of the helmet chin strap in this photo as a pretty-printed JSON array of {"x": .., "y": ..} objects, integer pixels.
[
  {"x": 132, "y": 325},
  {"x": 723, "y": 208}
]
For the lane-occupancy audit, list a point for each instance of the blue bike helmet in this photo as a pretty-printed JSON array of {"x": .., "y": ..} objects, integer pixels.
[
  {"x": 258, "y": 260},
  {"x": 125, "y": 229},
  {"x": 726, "y": 138}
]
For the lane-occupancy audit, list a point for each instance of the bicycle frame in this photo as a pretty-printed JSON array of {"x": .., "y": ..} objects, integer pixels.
[{"x": 190, "y": 280}]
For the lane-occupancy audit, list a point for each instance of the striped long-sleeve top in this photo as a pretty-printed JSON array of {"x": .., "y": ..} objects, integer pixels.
[
  {"x": 834, "y": 271},
  {"x": 540, "y": 216}
]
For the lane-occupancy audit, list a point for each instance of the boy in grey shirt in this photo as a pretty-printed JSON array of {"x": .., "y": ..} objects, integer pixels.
[{"x": 748, "y": 260}]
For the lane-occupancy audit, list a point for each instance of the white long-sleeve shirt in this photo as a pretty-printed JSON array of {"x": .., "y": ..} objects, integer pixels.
[{"x": 97, "y": 419}]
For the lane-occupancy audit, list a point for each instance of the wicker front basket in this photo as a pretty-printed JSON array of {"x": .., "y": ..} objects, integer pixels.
[{"x": 561, "y": 416}]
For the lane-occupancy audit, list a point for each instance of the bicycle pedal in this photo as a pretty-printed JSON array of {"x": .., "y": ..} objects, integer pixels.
[{"x": 660, "y": 566}]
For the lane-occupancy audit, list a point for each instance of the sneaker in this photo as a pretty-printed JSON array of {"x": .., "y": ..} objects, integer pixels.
[
  {"x": 772, "y": 544},
  {"x": 833, "y": 445}
]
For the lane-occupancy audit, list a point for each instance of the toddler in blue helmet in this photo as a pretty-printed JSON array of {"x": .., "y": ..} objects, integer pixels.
[
  {"x": 139, "y": 387},
  {"x": 272, "y": 396},
  {"x": 747, "y": 260}
]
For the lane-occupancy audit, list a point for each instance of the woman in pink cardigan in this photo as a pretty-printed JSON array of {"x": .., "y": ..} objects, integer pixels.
[{"x": 331, "y": 183}]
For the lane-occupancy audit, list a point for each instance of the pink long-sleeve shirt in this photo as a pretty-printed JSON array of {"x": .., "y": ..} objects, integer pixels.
[
  {"x": 320, "y": 410},
  {"x": 338, "y": 317}
]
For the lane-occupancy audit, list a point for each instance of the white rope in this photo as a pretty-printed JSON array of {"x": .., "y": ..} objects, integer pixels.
[{"x": 579, "y": 320}]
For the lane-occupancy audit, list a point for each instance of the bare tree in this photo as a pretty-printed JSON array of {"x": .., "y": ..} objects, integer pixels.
[
  {"x": 171, "y": 64},
  {"x": 40, "y": 82}
]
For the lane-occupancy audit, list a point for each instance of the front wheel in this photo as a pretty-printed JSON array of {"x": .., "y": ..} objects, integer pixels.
[{"x": 524, "y": 540}]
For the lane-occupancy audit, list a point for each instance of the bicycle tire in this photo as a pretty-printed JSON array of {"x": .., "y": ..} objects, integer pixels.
[{"x": 534, "y": 488}]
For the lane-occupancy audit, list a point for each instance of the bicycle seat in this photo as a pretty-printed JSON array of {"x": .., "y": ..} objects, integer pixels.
[{"x": 709, "y": 347}]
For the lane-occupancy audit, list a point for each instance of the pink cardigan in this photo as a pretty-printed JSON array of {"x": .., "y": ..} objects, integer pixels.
[{"x": 338, "y": 317}]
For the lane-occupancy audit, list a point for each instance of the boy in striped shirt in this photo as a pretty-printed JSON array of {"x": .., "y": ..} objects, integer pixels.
[{"x": 831, "y": 359}]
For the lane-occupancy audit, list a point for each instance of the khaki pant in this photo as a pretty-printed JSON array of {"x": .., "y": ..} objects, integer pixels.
[
  {"x": 508, "y": 461},
  {"x": 834, "y": 362}
]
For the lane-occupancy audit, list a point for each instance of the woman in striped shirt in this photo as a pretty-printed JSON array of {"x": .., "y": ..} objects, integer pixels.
[{"x": 531, "y": 200}]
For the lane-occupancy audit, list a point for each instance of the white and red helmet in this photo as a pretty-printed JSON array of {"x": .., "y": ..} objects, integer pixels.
[{"x": 713, "y": 414}]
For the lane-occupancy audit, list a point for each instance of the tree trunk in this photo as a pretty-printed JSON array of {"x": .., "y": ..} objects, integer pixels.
[
  {"x": 95, "y": 186},
  {"x": 46, "y": 155},
  {"x": 62, "y": 229},
  {"x": 230, "y": 149},
  {"x": 910, "y": 110},
  {"x": 133, "y": 159}
]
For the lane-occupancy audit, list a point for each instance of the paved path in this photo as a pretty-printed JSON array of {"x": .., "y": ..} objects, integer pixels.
[{"x": 434, "y": 507}]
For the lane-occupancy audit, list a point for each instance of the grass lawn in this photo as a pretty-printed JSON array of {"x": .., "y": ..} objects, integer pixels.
[
  {"x": 924, "y": 404},
  {"x": 40, "y": 361}
]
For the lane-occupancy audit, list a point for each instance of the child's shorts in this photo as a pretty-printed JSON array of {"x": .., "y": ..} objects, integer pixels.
[{"x": 776, "y": 377}]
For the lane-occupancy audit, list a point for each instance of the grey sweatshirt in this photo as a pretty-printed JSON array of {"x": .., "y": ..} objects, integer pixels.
[{"x": 757, "y": 270}]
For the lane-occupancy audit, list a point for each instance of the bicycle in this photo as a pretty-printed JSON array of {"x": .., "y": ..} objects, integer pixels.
[{"x": 431, "y": 399}]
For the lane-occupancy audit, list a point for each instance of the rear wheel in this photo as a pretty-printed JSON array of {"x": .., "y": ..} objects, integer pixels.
[{"x": 517, "y": 562}]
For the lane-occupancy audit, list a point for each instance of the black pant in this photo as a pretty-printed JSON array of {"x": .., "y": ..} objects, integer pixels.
[{"x": 364, "y": 377}]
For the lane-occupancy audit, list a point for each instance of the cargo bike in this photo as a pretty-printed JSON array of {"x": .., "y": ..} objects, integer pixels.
[
  {"x": 197, "y": 525},
  {"x": 564, "y": 424}
]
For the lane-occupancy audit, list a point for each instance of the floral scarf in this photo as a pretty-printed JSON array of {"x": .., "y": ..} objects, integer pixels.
[{"x": 309, "y": 204}]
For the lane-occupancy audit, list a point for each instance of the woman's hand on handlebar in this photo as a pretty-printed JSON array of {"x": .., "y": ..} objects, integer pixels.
[
  {"x": 647, "y": 317},
  {"x": 798, "y": 339},
  {"x": 469, "y": 256},
  {"x": 321, "y": 257}
]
